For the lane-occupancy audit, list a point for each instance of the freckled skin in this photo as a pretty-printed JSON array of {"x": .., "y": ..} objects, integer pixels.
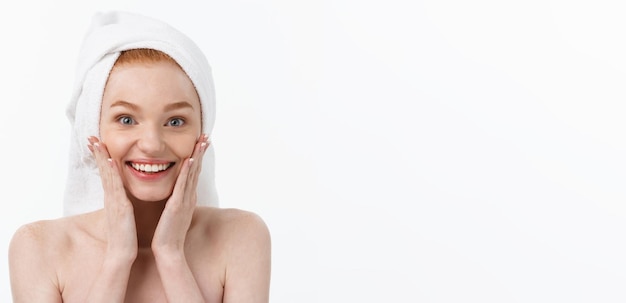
[
  {"x": 150, "y": 235},
  {"x": 149, "y": 136}
]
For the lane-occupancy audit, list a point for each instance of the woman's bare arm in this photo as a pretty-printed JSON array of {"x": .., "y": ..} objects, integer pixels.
[
  {"x": 31, "y": 261},
  {"x": 168, "y": 243},
  {"x": 249, "y": 263},
  {"x": 111, "y": 282}
]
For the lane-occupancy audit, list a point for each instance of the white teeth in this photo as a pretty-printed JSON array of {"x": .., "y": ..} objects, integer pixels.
[{"x": 150, "y": 168}]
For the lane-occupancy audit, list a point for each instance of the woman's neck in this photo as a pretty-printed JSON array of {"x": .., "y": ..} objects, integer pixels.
[{"x": 147, "y": 215}]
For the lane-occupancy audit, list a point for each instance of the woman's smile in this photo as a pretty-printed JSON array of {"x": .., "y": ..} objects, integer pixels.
[
  {"x": 149, "y": 171},
  {"x": 150, "y": 123}
]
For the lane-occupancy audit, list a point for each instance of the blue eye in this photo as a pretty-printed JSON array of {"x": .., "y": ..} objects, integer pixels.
[
  {"x": 126, "y": 120},
  {"x": 176, "y": 122}
]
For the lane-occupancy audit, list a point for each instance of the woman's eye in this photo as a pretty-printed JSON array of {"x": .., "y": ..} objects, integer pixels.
[
  {"x": 126, "y": 120},
  {"x": 176, "y": 122}
]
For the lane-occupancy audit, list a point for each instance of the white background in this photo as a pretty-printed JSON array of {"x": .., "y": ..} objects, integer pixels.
[{"x": 399, "y": 151}]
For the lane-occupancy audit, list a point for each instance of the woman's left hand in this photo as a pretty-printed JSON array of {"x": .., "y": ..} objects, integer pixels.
[{"x": 169, "y": 236}]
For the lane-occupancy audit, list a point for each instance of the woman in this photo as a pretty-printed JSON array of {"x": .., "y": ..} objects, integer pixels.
[{"x": 149, "y": 235}]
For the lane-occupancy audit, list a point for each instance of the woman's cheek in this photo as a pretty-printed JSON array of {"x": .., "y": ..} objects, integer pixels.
[{"x": 190, "y": 144}]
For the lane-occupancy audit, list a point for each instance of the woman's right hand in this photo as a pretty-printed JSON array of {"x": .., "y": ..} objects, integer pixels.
[{"x": 121, "y": 230}]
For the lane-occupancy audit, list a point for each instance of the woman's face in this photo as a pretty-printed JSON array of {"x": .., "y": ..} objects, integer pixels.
[{"x": 150, "y": 121}]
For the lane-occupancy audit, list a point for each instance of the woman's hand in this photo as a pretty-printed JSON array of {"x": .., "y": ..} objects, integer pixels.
[
  {"x": 168, "y": 242},
  {"x": 112, "y": 279},
  {"x": 119, "y": 215},
  {"x": 169, "y": 236}
]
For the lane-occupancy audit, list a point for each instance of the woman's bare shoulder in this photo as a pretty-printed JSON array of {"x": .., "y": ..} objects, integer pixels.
[
  {"x": 244, "y": 240},
  {"x": 34, "y": 254},
  {"x": 40, "y": 233},
  {"x": 231, "y": 229},
  {"x": 230, "y": 220},
  {"x": 45, "y": 236}
]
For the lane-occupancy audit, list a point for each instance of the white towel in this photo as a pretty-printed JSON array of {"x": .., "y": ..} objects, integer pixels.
[{"x": 109, "y": 34}]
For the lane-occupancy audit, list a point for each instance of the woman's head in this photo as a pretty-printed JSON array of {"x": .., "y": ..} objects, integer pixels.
[
  {"x": 109, "y": 49},
  {"x": 150, "y": 120}
]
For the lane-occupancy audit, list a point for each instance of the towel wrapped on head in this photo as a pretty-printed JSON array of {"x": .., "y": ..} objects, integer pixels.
[{"x": 109, "y": 34}]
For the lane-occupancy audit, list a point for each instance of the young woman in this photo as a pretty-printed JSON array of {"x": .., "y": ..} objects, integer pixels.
[{"x": 151, "y": 241}]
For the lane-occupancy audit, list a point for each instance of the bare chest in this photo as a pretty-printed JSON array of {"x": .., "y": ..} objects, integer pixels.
[{"x": 144, "y": 282}]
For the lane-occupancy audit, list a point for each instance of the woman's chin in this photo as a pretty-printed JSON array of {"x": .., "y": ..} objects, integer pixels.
[{"x": 150, "y": 196}]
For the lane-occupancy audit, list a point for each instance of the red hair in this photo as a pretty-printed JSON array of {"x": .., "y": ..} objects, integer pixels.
[{"x": 143, "y": 55}]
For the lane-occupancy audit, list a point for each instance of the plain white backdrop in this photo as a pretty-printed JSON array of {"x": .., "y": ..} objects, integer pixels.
[{"x": 399, "y": 151}]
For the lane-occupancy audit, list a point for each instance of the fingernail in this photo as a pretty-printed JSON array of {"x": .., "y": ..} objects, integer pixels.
[
  {"x": 110, "y": 162},
  {"x": 190, "y": 161},
  {"x": 203, "y": 146}
]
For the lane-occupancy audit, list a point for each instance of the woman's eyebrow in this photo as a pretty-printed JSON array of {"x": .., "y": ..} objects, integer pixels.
[
  {"x": 123, "y": 103},
  {"x": 177, "y": 105},
  {"x": 169, "y": 107}
]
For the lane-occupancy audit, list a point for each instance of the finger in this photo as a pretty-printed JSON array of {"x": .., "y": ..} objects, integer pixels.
[
  {"x": 182, "y": 177},
  {"x": 100, "y": 153},
  {"x": 109, "y": 172},
  {"x": 198, "y": 153},
  {"x": 196, "y": 166},
  {"x": 195, "y": 162},
  {"x": 186, "y": 182}
]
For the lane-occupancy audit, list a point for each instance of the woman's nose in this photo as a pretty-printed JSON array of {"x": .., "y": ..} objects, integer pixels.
[{"x": 150, "y": 140}]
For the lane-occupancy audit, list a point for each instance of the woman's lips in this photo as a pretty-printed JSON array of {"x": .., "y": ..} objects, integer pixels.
[
  {"x": 149, "y": 171},
  {"x": 150, "y": 168}
]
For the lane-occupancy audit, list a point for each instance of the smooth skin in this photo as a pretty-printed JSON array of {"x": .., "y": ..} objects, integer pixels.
[{"x": 150, "y": 242}]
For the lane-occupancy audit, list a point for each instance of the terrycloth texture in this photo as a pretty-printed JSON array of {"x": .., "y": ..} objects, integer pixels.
[{"x": 109, "y": 34}]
